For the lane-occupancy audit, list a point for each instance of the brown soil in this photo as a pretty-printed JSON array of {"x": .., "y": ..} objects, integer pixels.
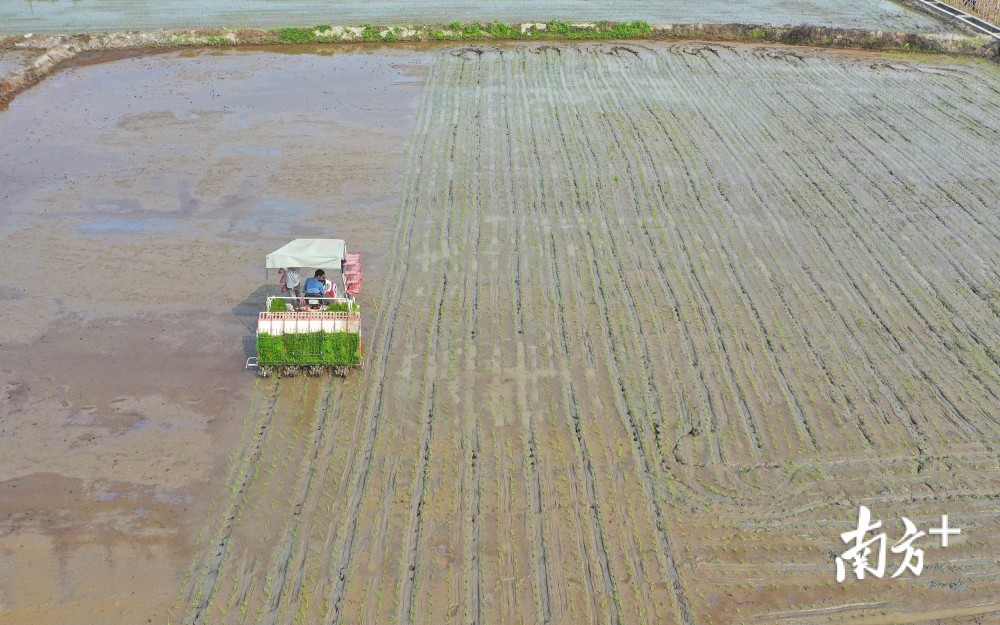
[
  {"x": 646, "y": 323},
  {"x": 650, "y": 339},
  {"x": 133, "y": 233}
]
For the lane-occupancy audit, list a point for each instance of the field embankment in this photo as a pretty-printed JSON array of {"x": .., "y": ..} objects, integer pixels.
[
  {"x": 142, "y": 15},
  {"x": 658, "y": 318},
  {"x": 61, "y": 49}
]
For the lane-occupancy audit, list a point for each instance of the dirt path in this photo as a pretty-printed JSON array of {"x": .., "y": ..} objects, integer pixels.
[{"x": 658, "y": 319}]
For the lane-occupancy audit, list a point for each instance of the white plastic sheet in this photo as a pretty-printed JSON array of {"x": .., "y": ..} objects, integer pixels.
[{"x": 317, "y": 253}]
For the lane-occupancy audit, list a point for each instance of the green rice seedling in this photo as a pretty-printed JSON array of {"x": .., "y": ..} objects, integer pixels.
[
  {"x": 296, "y": 35},
  {"x": 502, "y": 31}
]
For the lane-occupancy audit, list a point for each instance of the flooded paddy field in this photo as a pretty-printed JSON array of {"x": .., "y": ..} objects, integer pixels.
[
  {"x": 657, "y": 321},
  {"x": 66, "y": 16},
  {"x": 138, "y": 198},
  {"x": 645, "y": 325}
]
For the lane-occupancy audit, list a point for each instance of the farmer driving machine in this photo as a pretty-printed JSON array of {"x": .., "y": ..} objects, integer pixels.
[{"x": 318, "y": 331}]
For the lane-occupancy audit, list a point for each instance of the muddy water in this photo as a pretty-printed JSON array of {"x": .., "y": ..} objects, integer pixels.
[
  {"x": 21, "y": 16},
  {"x": 137, "y": 201}
]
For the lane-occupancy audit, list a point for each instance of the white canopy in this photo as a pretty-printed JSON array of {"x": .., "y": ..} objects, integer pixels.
[{"x": 318, "y": 253}]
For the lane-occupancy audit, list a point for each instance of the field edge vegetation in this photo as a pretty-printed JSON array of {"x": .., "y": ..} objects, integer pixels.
[{"x": 802, "y": 34}]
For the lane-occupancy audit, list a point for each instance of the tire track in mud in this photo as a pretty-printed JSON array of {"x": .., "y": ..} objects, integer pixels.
[
  {"x": 566, "y": 136},
  {"x": 479, "y": 185},
  {"x": 953, "y": 315},
  {"x": 487, "y": 112},
  {"x": 628, "y": 249},
  {"x": 957, "y": 419},
  {"x": 804, "y": 263},
  {"x": 905, "y": 131},
  {"x": 777, "y": 265},
  {"x": 569, "y": 393},
  {"x": 405, "y": 616},
  {"x": 697, "y": 194},
  {"x": 438, "y": 277},
  {"x": 435, "y": 265},
  {"x": 631, "y": 247},
  {"x": 529, "y": 441},
  {"x": 276, "y": 487},
  {"x": 912, "y": 125},
  {"x": 375, "y": 374},
  {"x": 539, "y": 128},
  {"x": 694, "y": 362},
  {"x": 714, "y": 133},
  {"x": 545, "y": 272},
  {"x": 288, "y": 570},
  {"x": 528, "y": 436},
  {"x": 902, "y": 161},
  {"x": 472, "y": 478},
  {"x": 645, "y": 153},
  {"x": 715, "y": 130},
  {"x": 473, "y": 473},
  {"x": 834, "y": 255},
  {"x": 697, "y": 198},
  {"x": 902, "y": 190},
  {"x": 586, "y": 465},
  {"x": 822, "y": 192},
  {"x": 200, "y": 594},
  {"x": 318, "y": 532}
]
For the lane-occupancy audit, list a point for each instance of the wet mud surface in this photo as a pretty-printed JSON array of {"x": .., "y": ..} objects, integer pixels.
[
  {"x": 139, "y": 198},
  {"x": 13, "y": 60},
  {"x": 645, "y": 324},
  {"x": 657, "y": 320},
  {"x": 68, "y": 16}
]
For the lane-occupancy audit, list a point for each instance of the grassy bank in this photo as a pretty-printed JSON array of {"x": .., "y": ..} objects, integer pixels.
[
  {"x": 459, "y": 31},
  {"x": 567, "y": 31},
  {"x": 500, "y": 32}
]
